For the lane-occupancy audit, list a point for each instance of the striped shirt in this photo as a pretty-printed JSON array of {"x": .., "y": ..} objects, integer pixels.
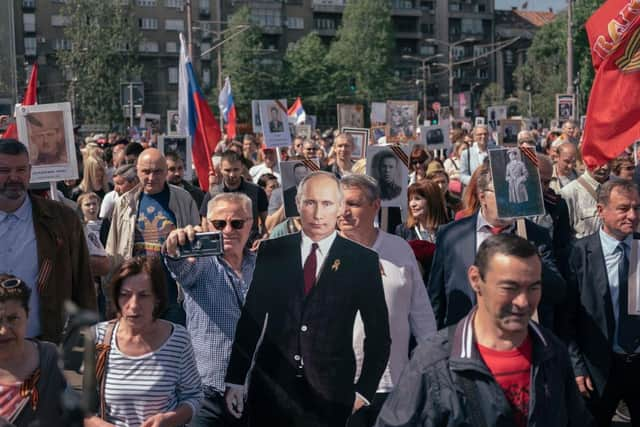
[{"x": 138, "y": 387}]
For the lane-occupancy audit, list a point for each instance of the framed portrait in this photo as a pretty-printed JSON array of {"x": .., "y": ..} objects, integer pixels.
[
  {"x": 311, "y": 121},
  {"x": 378, "y": 114},
  {"x": 479, "y": 121},
  {"x": 516, "y": 182},
  {"x": 434, "y": 137},
  {"x": 256, "y": 124},
  {"x": 303, "y": 131},
  {"x": 495, "y": 114},
  {"x": 401, "y": 120},
  {"x": 181, "y": 145},
  {"x": 173, "y": 117},
  {"x": 274, "y": 123},
  {"x": 565, "y": 107},
  {"x": 47, "y": 131},
  {"x": 388, "y": 164},
  {"x": 350, "y": 115},
  {"x": 508, "y": 134},
  {"x": 378, "y": 135},
  {"x": 292, "y": 172},
  {"x": 360, "y": 141}
]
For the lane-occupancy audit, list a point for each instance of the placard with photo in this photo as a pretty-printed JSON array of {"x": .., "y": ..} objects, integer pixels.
[
  {"x": 256, "y": 124},
  {"x": 292, "y": 173},
  {"x": 565, "y": 107},
  {"x": 516, "y": 182},
  {"x": 479, "y": 121},
  {"x": 401, "y": 120},
  {"x": 509, "y": 130},
  {"x": 180, "y": 145},
  {"x": 274, "y": 123},
  {"x": 378, "y": 135},
  {"x": 389, "y": 165},
  {"x": 378, "y": 114},
  {"x": 173, "y": 117},
  {"x": 495, "y": 114},
  {"x": 47, "y": 131},
  {"x": 303, "y": 131},
  {"x": 360, "y": 141},
  {"x": 435, "y": 137},
  {"x": 350, "y": 115}
]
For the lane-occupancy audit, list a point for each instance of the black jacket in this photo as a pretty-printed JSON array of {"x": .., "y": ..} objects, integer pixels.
[
  {"x": 430, "y": 390},
  {"x": 310, "y": 338},
  {"x": 449, "y": 291}
]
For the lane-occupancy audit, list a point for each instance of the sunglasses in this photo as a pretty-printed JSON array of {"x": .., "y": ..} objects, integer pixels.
[
  {"x": 11, "y": 283},
  {"x": 221, "y": 224}
]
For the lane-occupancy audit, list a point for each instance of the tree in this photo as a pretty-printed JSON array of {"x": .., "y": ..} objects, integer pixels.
[
  {"x": 242, "y": 62},
  {"x": 308, "y": 75},
  {"x": 362, "y": 50},
  {"x": 493, "y": 94},
  {"x": 104, "y": 43}
]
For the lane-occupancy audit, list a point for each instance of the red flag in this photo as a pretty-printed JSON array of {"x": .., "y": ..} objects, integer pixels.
[
  {"x": 30, "y": 98},
  {"x": 613, "y": 112}
]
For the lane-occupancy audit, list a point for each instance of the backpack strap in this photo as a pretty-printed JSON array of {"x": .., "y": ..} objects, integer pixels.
[
  {"x": 587, "y": 187},
  {"x": 102, "y": 358}
]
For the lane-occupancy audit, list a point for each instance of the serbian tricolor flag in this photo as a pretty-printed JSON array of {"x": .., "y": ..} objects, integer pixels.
[
  {"x": 228, "y": 108},
  {"x": 296, "y": 112},
  {"x": 196, "y": 119},
  {"x": 30, "y": 98},
  {"x": 613, "y": 113}
]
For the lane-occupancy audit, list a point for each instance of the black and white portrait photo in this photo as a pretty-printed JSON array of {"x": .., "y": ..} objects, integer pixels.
[
  {"x": 509, "y": 132},
  {"x": 434, "y": 137},
  {"x": 564, "y": 107},
  {"x": 390, "y": 172},
  {"x": 275, "y": 126},
  {"x": 516, "y": 181},
  {"x": 360, "y": 138},
  {"x": 173, "y": 117},
  {"x": 181, "y": 145},
  {"x": 401, "y": 119},
  {"x": 350, "y": 115}
]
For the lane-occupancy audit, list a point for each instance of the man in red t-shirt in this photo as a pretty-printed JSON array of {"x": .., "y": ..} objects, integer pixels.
[{"x": 496, "y": 367}]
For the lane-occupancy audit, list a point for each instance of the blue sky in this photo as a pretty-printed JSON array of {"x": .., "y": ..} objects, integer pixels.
[{"x": 533, "y": 4}]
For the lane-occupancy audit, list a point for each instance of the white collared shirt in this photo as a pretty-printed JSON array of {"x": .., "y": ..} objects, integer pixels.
[{"x": 321, "y": 253}]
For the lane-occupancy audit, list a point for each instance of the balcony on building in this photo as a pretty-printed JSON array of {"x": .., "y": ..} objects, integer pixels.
[
  {"x": 328, "y": 6},
  {"x": 405, "y": 8},
  {"x": 406, "y": 27}
]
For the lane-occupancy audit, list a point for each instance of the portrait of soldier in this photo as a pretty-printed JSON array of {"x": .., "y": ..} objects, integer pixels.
[
  {"x": 386, "y": 170},
  {"x": 275, "y": 124},
  {"x": 46, "y": 137}
]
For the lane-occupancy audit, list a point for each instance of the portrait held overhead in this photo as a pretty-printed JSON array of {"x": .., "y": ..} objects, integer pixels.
[{"x": 386, "y": 164}]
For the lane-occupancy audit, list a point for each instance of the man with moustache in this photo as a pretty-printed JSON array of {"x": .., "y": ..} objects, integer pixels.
[
  {"x": 409, "y": 309},
  {"x": 43, "y": 245},
  {"x": 295, "y": 332},
  {"x": 496, "y": 367},
  {"x": 215, "y": 288}
]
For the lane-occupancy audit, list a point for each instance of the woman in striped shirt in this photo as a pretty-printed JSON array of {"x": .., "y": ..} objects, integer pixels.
[{"x": 151, "y": 376}]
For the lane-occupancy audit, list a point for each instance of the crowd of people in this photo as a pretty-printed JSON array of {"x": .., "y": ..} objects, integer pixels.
[{"x": 439, "y": 312}]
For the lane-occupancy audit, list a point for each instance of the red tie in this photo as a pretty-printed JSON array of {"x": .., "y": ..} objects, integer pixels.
[{"x": 310, "y": 270}]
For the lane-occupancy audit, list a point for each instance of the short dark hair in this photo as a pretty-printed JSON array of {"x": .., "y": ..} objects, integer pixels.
[
  {"x": 173, "y": 156},
  {"x": 12, "y": 147},
  {"x": 152, "y": 267},
  {"x": 604, "y": 192},
  {"x": 265, "y": 178},
  {"x": 230, "y": 156},
  {"x": 20, "y": 293},
  {"x": 133, "y": 149},
  {"x": 503, "y": 244}
]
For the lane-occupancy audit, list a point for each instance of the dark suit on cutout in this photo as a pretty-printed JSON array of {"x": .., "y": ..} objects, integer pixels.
[
  {"x": 449, "y": 291},
  {"x": 290, "y": 206},
  {"x": 591, "y": 322},
  {"x": 304, "y": 363}
]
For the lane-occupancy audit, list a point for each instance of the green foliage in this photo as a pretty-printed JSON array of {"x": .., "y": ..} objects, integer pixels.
[
  {"x": 308, "y": 74},
  {"x": 362, "y": 50},
  {"x": 493, "y": 94},
  {"x": 242, "y": 60},
  {"x": 104, "y": 43}
]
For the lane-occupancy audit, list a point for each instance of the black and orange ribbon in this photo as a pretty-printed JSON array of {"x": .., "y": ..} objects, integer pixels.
[
  {"x": 531, "y": 155},
  {"x": 28, "y": 388},
  {"x": 310, "y": 164},
  {"x": 400, "y": 154}
]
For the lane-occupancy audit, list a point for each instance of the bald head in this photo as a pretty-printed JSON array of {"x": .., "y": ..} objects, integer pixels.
[{"x": 152, "y": 171}]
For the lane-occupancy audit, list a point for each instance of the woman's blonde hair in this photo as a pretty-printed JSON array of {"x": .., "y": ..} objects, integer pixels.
[{"x": 91, "y": 167}]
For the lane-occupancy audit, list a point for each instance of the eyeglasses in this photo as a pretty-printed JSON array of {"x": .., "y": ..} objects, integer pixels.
[
  {"x": 11, "y": 283},
  {"x": 629, "y": 168},
  {"x": 221, "y": 224}
]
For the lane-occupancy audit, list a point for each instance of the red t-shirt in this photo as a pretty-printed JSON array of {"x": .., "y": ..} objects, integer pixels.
[{"x": 512, "y": 370}]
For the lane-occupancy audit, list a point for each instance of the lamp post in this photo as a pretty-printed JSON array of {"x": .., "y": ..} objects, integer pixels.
[
  {"x": 423, "y": 64},
  {"x": 449, "y": 65},
  {"x": 528, "y": 89}
]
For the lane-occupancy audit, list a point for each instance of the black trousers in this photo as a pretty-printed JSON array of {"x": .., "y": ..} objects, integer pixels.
[
  {"x": 622, "y": 384},
  {"x": 213, "y": 413},
  {"x": 367, "y": 415}
]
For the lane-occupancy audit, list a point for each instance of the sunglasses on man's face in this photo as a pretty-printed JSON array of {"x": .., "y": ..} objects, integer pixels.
[
  {"x": 10, "y": 283},
  {"x": 221, "y": 224}
]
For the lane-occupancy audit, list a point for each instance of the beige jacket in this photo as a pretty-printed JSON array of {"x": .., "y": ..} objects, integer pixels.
[{"x": 123, "y": 222}]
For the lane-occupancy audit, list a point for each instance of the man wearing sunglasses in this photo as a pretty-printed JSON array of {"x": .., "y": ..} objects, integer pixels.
[
  {"x": 43, "y": 244},
  {"x": 295, "y": 332},
  {"x": 215, "y": 288}
]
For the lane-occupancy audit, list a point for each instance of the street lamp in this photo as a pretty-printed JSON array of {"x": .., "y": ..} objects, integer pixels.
[
  {"x": 423, "y": 62},
  {"x": 449, "y": 66},
  {"x": 528, "y": 89}
]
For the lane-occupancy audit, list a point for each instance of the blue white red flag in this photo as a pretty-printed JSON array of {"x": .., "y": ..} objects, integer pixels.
[
  {"x": 296, "y": 113},
  {"x": 196, "y": 119},
  {"x": 228, "y": 108}
]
